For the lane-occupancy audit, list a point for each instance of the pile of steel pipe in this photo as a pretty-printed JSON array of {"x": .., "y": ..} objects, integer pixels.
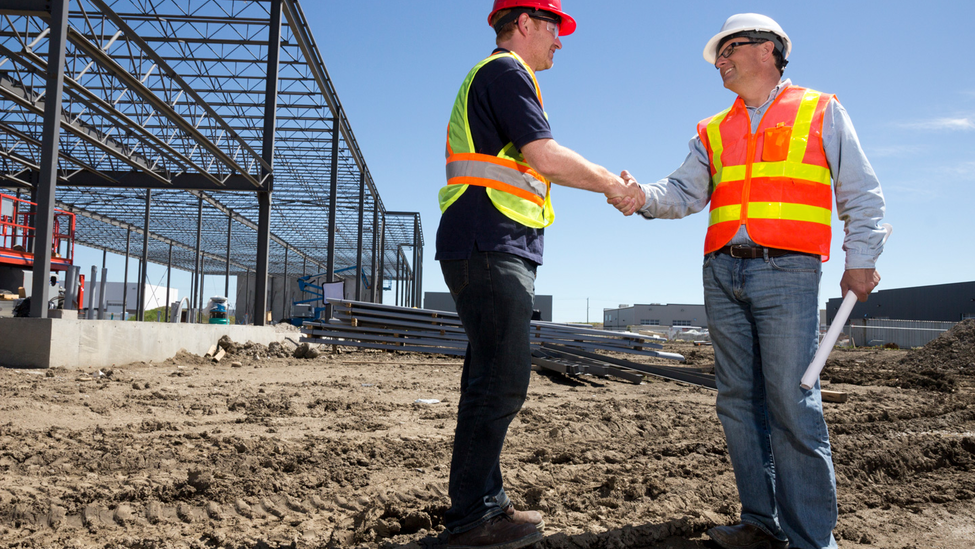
[{"x": 377, "y": 326}]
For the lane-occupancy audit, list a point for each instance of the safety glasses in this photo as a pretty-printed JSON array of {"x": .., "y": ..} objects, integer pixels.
[
  {"x": 727, "y": 52},
  {"x": 550, "y": 24}
]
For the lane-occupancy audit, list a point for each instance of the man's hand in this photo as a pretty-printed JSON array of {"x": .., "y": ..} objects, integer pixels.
[
  {"x": 629, "y": 197},
  {"x": 860, "y": 281}
]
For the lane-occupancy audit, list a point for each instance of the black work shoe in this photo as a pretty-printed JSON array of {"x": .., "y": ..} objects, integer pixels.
[
  {"x": 498, "y": 533},
  {"x": 745, "y": 536}
]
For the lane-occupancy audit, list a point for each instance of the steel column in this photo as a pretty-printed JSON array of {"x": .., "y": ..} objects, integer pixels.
[
  {"x": 144, "y": 265},
  {"x": 45, "y": 187},
  {"x": 190, "y": 316},
  {"x": 125, "y": 277},
  {"x": 90, "y": 314},
  {"x": 169, "y": 282},
  {"x": 200, "y": 305},
  {"x": 375, "y": 247},
  {"x": 416, "y": 260},
  {"x": 399, "y": 277},
  {"x": 419, "y": 281},
  {"x": 332, "y": 200},
  {"x": 267, "y": 153},
  {"x": 103, "y": 296},
  {"x": 284, "y": 293},
  {"x": 358, "y": 246},
  {"x": 382, "y": 258},
  {"x": 226, "y": 284}
]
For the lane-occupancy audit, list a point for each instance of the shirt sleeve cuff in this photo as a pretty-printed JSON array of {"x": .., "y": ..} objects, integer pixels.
[{"x": 860, "y": 261}]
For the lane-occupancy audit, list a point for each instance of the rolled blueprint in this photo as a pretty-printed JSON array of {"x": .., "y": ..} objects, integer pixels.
[
  {"x": 816, "y": 366},
  {"x": 826, "y": 345}
]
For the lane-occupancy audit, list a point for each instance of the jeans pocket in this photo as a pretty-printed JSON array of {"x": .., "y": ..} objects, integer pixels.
[
  {"x": 456, "y": 275},
  {"x": 795, "y": 263},
  {"x": 707, "y": 260}
]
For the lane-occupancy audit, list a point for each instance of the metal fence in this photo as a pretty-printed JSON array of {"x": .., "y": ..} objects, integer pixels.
[{"x": 903, "y": 333}]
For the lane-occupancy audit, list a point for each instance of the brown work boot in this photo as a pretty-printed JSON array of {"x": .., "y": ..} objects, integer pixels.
[
  {"x": 525, "y": 517},
  {"x": 500, "y": 532},
  {"x": 745, "y": 536}
]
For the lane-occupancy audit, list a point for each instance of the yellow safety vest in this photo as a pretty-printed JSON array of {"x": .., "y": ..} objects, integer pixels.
[{"x": 515, "y": 189}]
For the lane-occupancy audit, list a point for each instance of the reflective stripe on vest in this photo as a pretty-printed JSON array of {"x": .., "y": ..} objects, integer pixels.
[
  {"x": 515, "y": 189},
  {"x": 775, "y": 181}
]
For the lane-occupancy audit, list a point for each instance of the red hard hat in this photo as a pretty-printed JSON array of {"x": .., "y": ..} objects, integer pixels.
[{"x": 568, "y": 25}]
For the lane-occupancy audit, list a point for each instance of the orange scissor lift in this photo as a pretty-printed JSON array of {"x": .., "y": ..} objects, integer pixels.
[{"x": 17, "y": 235}]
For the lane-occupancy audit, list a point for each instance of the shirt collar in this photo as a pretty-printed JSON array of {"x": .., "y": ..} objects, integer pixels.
[{"x": 783, "y": 84}]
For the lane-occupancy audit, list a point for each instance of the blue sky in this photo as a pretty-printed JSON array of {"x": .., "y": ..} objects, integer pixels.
[{"x": 626, "y": 92}]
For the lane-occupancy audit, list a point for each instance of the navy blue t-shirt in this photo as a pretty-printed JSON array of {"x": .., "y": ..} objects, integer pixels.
[{"x": 502, "y": 107}]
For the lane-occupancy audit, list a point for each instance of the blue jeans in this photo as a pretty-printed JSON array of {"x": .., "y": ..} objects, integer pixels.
[
  {"x": 494, "y": 293},
  {"x": 763, "y": 315}
]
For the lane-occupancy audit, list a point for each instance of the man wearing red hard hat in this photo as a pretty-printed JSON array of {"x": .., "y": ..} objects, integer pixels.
[{"x": 501, "y": 163}]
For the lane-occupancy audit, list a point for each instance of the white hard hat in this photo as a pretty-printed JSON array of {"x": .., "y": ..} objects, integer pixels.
[{"x": 743, "y": 22}]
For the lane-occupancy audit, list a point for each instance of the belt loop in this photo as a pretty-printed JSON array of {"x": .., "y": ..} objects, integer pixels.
[{"x": 765, "y": 253}]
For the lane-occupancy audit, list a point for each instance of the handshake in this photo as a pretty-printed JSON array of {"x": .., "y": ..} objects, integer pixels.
[{"x": 625, "y": 195}]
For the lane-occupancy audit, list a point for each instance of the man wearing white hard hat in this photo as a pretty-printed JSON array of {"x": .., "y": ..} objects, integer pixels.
[{"x": 770, "y": 166}]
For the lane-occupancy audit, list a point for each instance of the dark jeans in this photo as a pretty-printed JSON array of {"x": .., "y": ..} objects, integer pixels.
[{"x": 494, "y": 293}]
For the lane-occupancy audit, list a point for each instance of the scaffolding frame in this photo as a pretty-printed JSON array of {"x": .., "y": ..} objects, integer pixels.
[{"x": 209, "y": 128}]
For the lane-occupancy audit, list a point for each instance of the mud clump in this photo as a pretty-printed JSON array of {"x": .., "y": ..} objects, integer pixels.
[
  {"x": 228, "y": 345},
  {"x": 307, "y": 351}
]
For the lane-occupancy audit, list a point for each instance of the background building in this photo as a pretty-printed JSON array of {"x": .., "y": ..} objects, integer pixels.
[
  {"x": 655, "y": 314},
  {"x": 941, "y": 302}
]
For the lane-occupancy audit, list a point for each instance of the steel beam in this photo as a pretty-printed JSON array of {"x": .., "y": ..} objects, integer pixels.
[
  {"x": 143, "y": 180},
  {"x": 36, "y": 8}
]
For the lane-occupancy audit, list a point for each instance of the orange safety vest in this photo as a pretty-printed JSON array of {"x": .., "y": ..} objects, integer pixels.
[
  {"x": 776, "y": 181},
  {"x": 515, "y": 189}
]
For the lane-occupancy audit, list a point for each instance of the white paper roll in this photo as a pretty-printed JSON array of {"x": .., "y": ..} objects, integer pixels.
[{"x": 826, "y": 345}]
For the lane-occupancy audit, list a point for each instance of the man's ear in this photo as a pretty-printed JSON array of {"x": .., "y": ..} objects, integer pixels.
[{"x": 523, "y": 23}]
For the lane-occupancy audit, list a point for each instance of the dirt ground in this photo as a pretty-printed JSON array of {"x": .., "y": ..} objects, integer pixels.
[{"x": 342, "y": 451}]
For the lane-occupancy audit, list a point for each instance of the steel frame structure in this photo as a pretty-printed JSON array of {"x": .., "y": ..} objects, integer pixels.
[{"x": 210, "y": 128}]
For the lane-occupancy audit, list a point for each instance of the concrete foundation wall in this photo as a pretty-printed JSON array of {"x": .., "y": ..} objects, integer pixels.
[{"x": 57, "y": 342}]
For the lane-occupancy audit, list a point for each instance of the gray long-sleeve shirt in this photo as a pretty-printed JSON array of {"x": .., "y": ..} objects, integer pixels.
[{"x": 859, "y": 199}]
